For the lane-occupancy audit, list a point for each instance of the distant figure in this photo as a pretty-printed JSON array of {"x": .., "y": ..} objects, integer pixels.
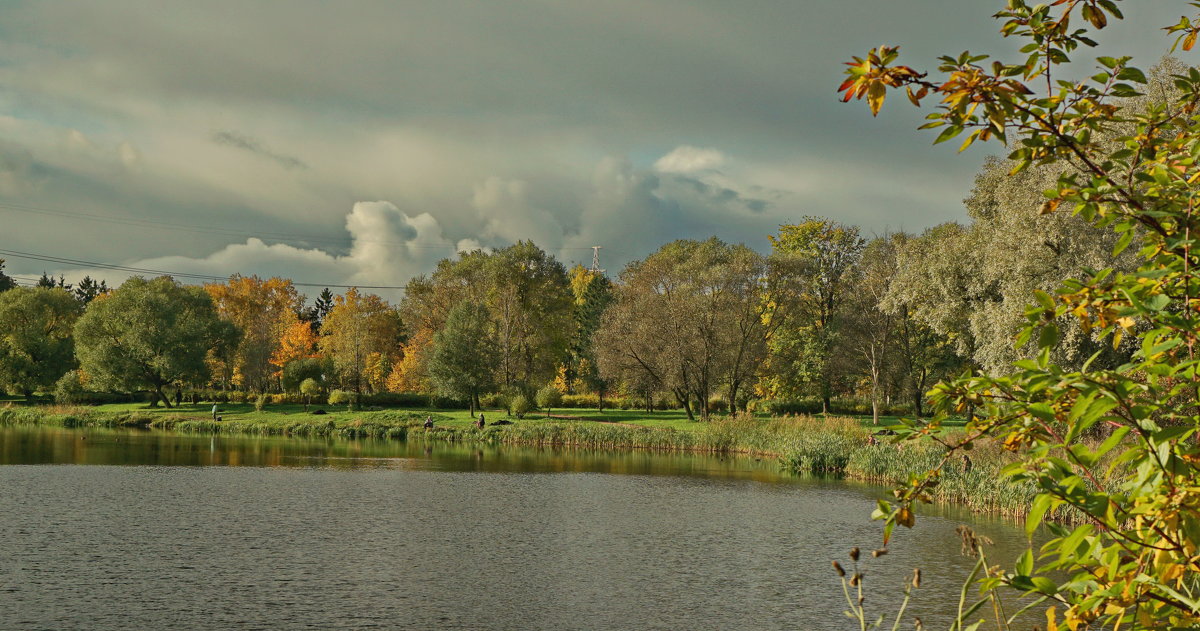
[
  {"x": 178, "y": 397},
  {"x": 872, "y": 441},
  {"x": 428, "y": 422},
  {"x": 480, "y": 422},
  {"x": 215, "y": 417},
  {"x": 966, "y": 464}
]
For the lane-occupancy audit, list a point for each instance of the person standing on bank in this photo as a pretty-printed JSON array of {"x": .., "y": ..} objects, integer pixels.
[{"x": 215, "y": 411}]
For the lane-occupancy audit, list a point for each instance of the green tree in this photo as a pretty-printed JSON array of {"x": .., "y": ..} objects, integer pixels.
[
  {"x": 822, "y": 256},
  {"x": 149, "y": 334},
  {"x": 48, "y": 282},
  {"x": 549, "y": 397},
  {"x": 6, "y": 281},
  {"x": 87, "y": 289},
  {"x": 593, "y": 294},
  {"x": 464, "y": 361},
  {"x": 36, "y": 344},
  {"x": 296, "y": 372},
  {"x": 527, "y": 295},
  {"x": 1132, "y": 561},
  {"x": 309, "y": 388}
]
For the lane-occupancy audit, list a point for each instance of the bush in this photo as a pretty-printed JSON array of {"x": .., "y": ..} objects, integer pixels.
[
  {"x": 260, "y": 402},
  {"x": 583, "y": 401},
  {"x": 69, "y": 389},
  {"x": 519, "y": 405},
  {"x": 718, "y": 405},
  {"x": 340, "y": 397},
  {"x": 494, "y": 400},
  {"x": 549, "y": 397}
]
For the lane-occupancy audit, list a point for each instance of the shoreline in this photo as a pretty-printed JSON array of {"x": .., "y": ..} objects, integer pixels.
[{"x": 801, "y": 445}]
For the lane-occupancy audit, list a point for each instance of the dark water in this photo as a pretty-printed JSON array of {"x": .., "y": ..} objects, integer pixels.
[{"x": 321, "y": 534}]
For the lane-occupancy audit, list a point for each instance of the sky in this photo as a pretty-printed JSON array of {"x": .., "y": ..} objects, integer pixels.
[{"x": 359, "y": 143}]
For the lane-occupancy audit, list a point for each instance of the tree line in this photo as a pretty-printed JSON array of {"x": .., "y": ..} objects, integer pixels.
[{"x": 826, "y": 313}]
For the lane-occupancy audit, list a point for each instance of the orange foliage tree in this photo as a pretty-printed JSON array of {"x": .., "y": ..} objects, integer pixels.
[{"x": 264, "y": 310}]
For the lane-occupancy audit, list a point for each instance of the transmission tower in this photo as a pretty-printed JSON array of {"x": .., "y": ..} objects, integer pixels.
[{"x": 596, "y": 260}]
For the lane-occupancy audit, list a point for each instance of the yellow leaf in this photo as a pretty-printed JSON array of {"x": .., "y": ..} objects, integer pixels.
[{"x": 875, "y": 95}]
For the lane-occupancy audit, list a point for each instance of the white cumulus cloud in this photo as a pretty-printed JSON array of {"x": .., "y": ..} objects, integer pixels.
[{"x": 689, "y": 159}]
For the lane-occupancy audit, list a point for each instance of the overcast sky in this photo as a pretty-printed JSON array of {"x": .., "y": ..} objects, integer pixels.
[{"x": 358, "y": 143}]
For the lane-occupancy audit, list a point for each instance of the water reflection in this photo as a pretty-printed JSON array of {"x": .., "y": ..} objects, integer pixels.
[{"x": 54, "y": 445}]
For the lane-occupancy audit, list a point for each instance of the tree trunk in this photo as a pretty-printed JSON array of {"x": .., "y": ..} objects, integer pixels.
[
  {"x": 600, "y": 395},
  {"x": 874, "y": 392},
  {"x": 159, "y": 392},
  {"x": 685, "y": 401}
]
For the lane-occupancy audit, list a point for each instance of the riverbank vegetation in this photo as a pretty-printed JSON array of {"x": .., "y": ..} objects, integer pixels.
[{"x": 840, "y": 446}]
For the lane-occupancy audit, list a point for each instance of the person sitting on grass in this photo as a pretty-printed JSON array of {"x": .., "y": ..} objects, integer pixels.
[
  {"x": 428, "y": 422},
  {"x": 480, "y": 422}
]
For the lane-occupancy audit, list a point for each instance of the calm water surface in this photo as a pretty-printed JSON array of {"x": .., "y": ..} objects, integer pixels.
[{"x": 169, "y": 531}]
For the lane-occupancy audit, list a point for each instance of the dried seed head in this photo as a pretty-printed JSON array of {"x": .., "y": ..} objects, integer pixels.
[
  {"x": 916, "y": 577},
  {"x": 856, "y": 579},
  {"x": 917, "y": 624},
  {"x": 853, "y": 554},
  {"x": 838, "y": 568},
  {"x": 878, "y": 553}
]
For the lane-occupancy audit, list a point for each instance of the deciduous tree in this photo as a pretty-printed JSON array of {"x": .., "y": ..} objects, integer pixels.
[
  {"x": 149, "y": 334},
  {"x": 36, "y": 343},
  {"x": 464, "y": 359},
  {"x": 263, "y": 310},
  {"x": 357, "y": 326}
]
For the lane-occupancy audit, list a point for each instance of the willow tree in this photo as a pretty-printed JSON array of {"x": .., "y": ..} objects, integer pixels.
[
  {"x": 149, "y": 334},
  {"x": 1131, "y": 560},
  {"x": 36, "y": 343}
]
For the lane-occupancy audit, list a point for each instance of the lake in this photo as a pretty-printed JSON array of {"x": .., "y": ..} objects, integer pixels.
[{"x": 133, "y": 529}]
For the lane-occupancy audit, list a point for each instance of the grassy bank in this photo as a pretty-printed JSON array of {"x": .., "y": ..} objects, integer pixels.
[{"x": 811, "y": 445}]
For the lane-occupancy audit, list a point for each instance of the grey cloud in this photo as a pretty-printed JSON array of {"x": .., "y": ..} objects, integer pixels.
[
  {"x": 241, "y": 141},
  {"x": 490, "y": 118}
]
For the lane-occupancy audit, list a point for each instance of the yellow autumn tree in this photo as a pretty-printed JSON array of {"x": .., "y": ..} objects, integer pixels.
[
  {"x": 409, "y": 371},
  {"x": 264, "y": 310},
  {"x": 357, "y": 326}
]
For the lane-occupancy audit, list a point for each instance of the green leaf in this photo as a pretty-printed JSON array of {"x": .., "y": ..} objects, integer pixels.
[
  {"x": 1037, "y": 512},
  {"x": 1024, "y": 564}
]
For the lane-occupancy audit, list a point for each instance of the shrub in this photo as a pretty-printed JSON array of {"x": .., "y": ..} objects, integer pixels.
[
  {"x": 340, "y": 397},
  {"x": 69, "y": 389},
  {"x": 718, "y": 405},
  {"x": 519, "y": 405},
  {"x": 494, "y": 400},
  {"x": 260, "y": 402},
  {"x": 549, "y": 397}
]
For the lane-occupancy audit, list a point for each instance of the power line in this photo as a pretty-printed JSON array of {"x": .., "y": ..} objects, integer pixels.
[{"x": 142, "y": 270}]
